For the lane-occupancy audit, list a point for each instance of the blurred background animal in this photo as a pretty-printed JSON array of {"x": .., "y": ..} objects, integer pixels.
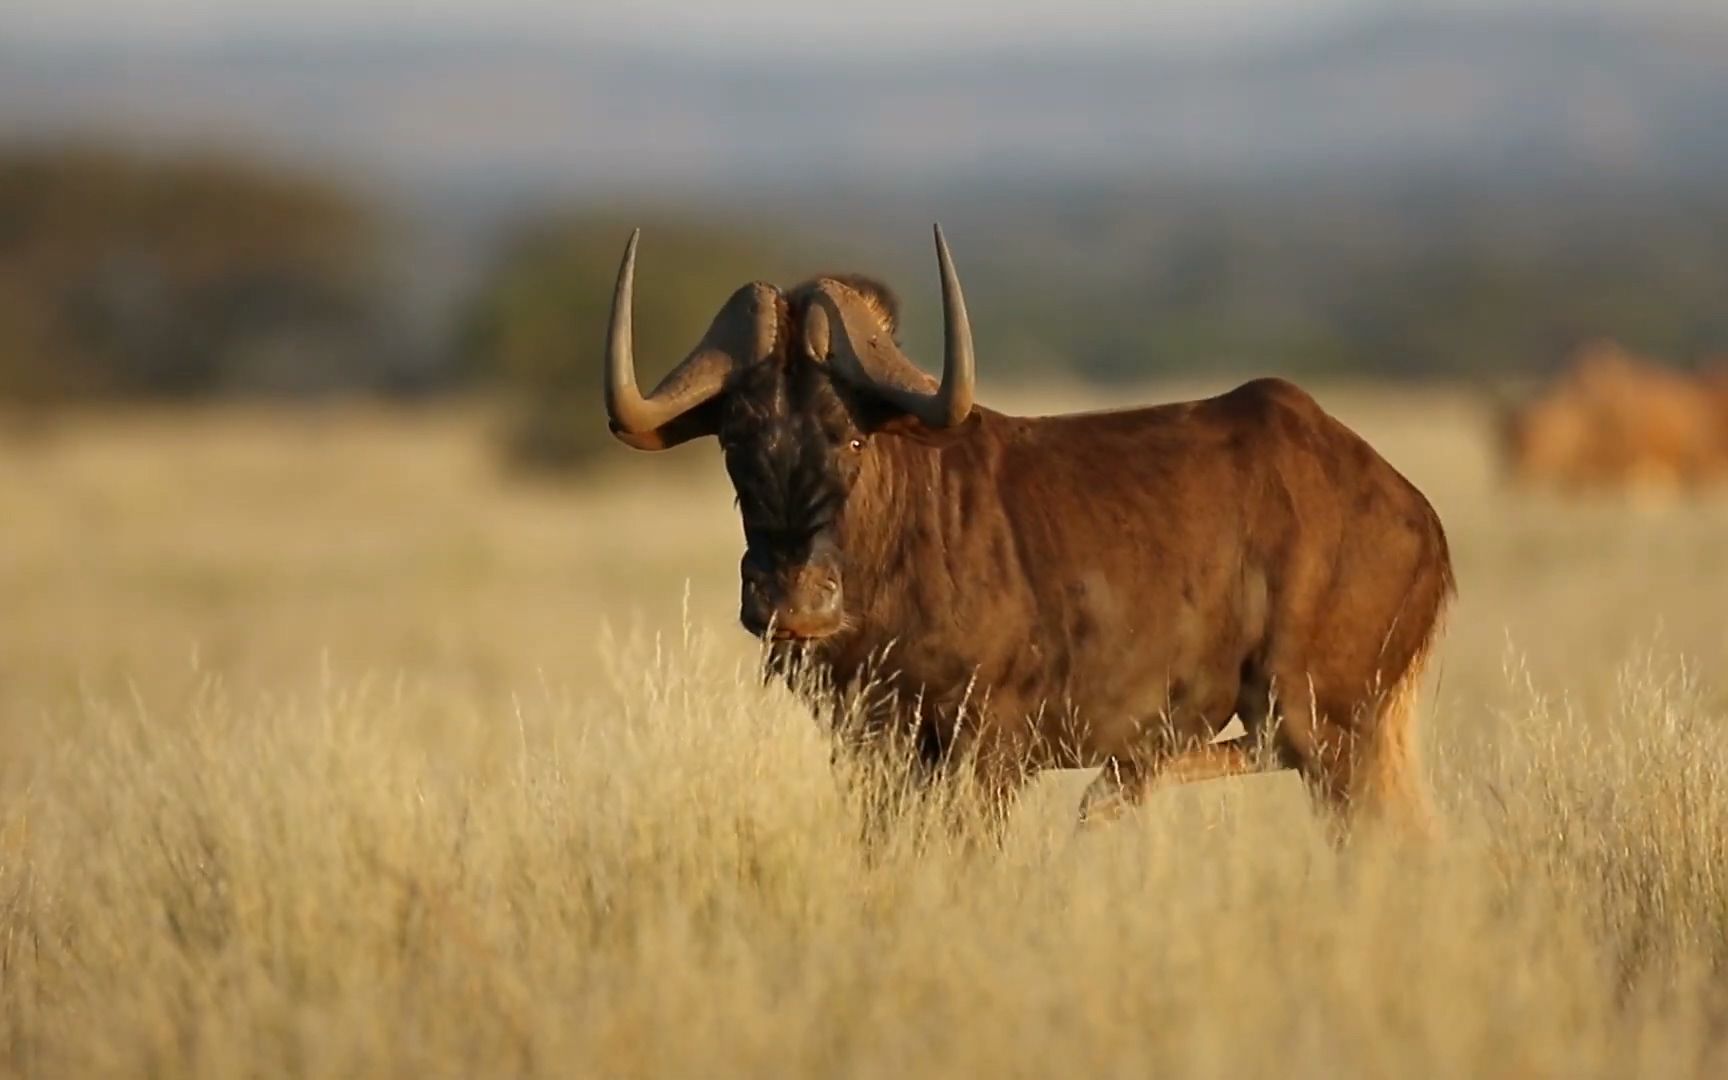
[{"x": 1612, "y": 421}]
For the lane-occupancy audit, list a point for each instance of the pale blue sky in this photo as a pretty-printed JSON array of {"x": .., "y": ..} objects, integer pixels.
[{"x": 767, "y": 25}]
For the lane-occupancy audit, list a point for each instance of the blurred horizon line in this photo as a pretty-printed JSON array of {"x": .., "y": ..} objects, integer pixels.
[
  {"x": 1422, "y": 92},
  {"x": 1312, "y": 27}
]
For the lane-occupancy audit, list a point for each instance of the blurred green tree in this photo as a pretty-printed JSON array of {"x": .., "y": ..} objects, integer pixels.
[
  {"x": 538, "y": 327},
  {"x": 123, "y": 276}
]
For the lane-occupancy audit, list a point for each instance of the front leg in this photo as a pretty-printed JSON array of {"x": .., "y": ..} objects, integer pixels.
[
  {"x": 881, "y": 780},
  {"x": 917, "y": 774},
  {"x": 982, "y": 773},
  {"x": 979, "y": 793}
]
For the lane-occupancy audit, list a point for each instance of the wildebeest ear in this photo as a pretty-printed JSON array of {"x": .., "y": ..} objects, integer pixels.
[{"x": 847, "y": 331}]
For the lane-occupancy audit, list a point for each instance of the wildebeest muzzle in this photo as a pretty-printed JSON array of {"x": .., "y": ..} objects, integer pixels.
[{"x": 796, "y": 602}]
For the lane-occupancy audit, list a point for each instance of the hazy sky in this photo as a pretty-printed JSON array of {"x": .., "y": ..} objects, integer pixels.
[{"x": 769, "y": 25}]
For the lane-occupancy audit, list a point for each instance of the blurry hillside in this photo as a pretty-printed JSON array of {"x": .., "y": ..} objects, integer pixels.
[{"x": 1402, "y": 195}]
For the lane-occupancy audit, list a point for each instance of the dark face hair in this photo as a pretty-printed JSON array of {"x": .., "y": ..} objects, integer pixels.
[
  {"x": 791, "y": 381},
  {"x": 793, "y": 441}
]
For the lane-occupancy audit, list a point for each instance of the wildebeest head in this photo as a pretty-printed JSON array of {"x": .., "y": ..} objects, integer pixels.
[{"x": 795, "y": 384}]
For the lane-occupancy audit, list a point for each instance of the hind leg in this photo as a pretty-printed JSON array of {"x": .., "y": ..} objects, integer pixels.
[
  {"x": 1357, "y": 758},
  {"x": 1122, "y": 785},
  {"x": 1386, "y": 781}
]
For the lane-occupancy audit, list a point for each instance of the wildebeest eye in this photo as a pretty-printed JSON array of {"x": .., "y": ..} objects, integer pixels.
[{"x": 855, "y": 444}]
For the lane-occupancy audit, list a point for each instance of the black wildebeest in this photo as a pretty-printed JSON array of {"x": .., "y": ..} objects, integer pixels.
[{"x": 1101, "y": 589}]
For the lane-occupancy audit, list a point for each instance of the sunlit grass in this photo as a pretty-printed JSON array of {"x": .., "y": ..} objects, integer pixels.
[{"x": 335, "y": 756}]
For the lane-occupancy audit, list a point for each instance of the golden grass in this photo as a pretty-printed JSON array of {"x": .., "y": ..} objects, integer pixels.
[{"x": 326, "y": 752}]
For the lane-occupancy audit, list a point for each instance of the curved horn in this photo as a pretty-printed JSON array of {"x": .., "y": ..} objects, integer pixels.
[
  {"x": 882, "y": 368},
  {"x": 953, "y": 402},
  {"x": 652, "y": 422}
]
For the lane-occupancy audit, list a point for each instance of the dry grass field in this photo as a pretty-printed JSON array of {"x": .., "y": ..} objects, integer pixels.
[{"x": 325, "y": 750}]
